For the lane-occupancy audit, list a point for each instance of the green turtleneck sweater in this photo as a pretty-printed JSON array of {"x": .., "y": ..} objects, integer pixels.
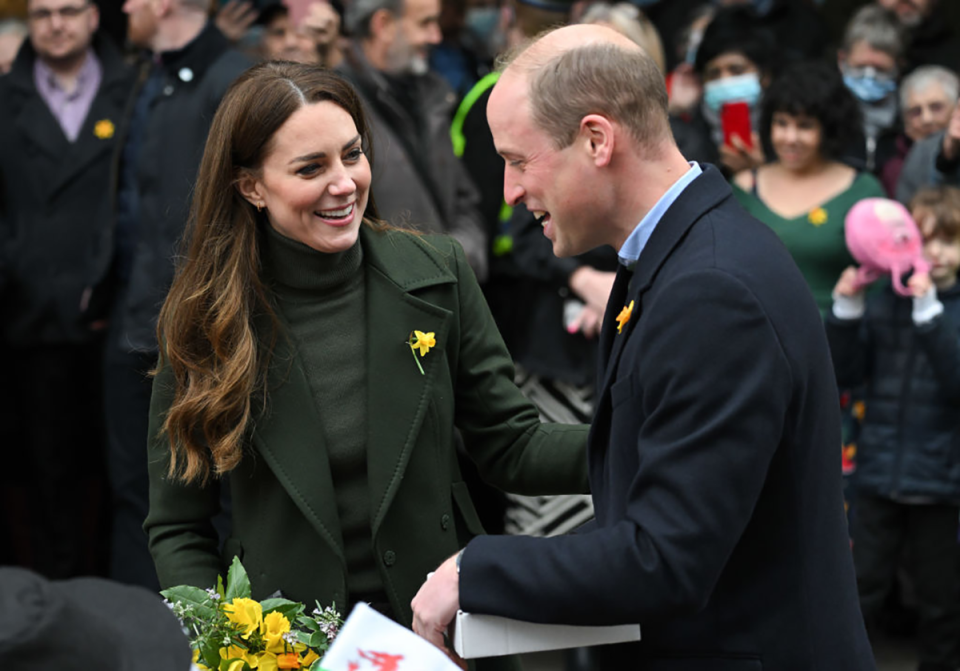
[{"x": 321, "y": 298}]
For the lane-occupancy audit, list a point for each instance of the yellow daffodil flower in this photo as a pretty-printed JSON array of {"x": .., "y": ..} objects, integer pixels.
[
  {"x": 104, "y": 129},
  {"x": 309, "y": 659},
  {"x": 817, "y": 217},
  {"x": 245, "y": 612},
  {"x": 268, "y": 662},
  {"x": 236, "y": 665},
  {"x": 624, "y": 316},
  {"x": 424, "y": 341},
  {"x": 273, "y": 628},
  {"x": 240, "y": 654}
]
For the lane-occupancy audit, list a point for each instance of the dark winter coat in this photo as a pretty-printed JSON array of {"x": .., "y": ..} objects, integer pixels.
[
  {"x": 909, "y": 444},
  {"x": 54, "y": 200}
]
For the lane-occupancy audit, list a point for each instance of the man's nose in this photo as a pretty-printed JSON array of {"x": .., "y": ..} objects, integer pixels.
[
  {"x": 433, "y": 34},
  {"x": 512, "y": 192}
]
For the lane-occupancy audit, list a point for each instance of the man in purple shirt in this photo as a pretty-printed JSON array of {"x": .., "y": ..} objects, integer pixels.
[{"x": 59, "y": 110}]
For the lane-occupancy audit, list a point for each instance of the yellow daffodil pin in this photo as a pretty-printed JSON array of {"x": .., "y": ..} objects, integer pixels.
[
  {"x": 104, "y": 129},
  {"x": 817, "y": 217},
  {"x": 624, "y": 316},
  {"x": 419, "y": 340}
]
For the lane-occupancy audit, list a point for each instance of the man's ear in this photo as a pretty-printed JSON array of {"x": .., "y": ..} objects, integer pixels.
[
  {"x": 249, "y": 188},
  {"x": 383, "y": 24},
  {"x": 598, "y": 138}
]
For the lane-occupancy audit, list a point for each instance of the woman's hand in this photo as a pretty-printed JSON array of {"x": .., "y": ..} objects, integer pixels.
[
  {"x": 741, "y": 157},
  {"x": 847, "y": 285}
]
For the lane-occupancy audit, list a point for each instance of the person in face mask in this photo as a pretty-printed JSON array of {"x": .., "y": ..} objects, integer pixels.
[
  {"x": 869, "y": 61},
  {"x": 735, "y": 62}
]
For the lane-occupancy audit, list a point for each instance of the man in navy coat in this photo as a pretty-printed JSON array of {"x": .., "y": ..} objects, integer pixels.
[{"x": 714, "y": 454}]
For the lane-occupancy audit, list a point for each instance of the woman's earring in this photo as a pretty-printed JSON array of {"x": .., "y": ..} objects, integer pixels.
[{"x": 260, "y": 206}]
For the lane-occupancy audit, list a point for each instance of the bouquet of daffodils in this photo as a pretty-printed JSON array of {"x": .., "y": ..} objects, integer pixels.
[{"x": 229, "y": 631}]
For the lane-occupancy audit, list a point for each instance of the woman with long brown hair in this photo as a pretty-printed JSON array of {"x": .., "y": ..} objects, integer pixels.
[{"x": 323, "y": 359}]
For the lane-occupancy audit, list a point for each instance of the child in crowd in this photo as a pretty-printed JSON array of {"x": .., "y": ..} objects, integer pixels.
[{"x": 907, "y": 353}]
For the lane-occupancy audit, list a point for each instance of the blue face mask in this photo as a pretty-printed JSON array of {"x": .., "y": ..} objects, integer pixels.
[
  {"x": 868, "y": 85},
  {"x": 482, "y": 21},
  {"x": 742, "y": 88}
]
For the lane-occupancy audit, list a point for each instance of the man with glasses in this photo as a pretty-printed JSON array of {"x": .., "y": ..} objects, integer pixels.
[{"x": 59, "y": 108}]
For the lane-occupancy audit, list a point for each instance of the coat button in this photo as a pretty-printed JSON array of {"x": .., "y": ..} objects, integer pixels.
[
  {"x": 445, "y": 522},
  {"x": 389, "y": 557}
]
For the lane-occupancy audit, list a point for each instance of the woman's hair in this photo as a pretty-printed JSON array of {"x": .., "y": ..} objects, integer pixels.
[
  {"x": 737, "y": 30},
  {"x": 217, "y": 325},
  {"x": 628, "y": 20},
  {"x": 943, "y": 202},
  {"x": 814, "y": 89},
  {"x": 878, "y": 28}
]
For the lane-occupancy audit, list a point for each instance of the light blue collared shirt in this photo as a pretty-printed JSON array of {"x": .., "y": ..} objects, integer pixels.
[{"x": 637, "y": 240}]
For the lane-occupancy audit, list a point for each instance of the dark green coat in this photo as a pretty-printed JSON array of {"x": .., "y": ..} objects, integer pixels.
[{"x": 285, "y": 524}]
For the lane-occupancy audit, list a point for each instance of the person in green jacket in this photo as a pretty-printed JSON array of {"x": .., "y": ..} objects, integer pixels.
[{"x": 323, "y": 359}]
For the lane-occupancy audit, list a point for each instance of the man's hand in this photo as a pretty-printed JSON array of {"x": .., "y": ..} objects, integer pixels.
[
  {"x": 951, "y": 139},
  {"x": 437, "y": 603},
  {"x": 235, "y": 17},
  {"x": 741, "y": 157},
  {"x": 593, "y": 286}
]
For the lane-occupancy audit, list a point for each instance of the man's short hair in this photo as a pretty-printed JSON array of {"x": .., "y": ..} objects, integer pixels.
[
  {"x": 624, "y": 85},
  {"x": 923, "y": 77},
  {"x": 357, "y": 16},
  {"x": 879, "y": 28}
]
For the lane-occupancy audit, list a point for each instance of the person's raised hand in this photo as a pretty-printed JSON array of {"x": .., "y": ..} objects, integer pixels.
[
  {"x": 322, "y": 23},
  {"x": 685, "y": 90},
  {"x": 847, "y": 285},
  {"x": 740, "y": 157},
  {"x": 235, "y": 17},
  {"x": 919, "y": 284},
  {"x": 951, "y": 138}
]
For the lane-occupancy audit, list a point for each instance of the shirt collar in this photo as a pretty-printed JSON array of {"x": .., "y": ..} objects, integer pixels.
[
  {"x": 46, "y": 77},
  {"x": 637, "y": 240}
]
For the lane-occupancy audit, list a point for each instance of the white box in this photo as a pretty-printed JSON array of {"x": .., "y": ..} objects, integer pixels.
[{"x": 491, "y": 636}]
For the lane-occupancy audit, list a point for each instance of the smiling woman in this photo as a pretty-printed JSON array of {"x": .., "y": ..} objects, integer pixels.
[
  {"x": 808, "y": 117},
  {"x": 287, "y": 363}
]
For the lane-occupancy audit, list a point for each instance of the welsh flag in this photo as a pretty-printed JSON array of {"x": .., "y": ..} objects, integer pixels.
[{"x": 369, "y": 641}]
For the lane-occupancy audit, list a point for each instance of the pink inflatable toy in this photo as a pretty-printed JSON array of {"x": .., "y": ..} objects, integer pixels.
[{"x": 883, "y": 237}]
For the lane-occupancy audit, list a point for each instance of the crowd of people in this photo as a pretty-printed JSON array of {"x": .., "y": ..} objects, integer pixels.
[{"x": 193, "y": 371}]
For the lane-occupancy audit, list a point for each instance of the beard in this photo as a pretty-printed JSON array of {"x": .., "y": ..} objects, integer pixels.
[{"x": 405, "y": 59}]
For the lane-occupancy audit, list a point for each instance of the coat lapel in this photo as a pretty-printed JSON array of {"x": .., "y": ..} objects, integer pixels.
[
  {"x": 290, "y": 438},
  {"x": 398, "y": 394},
  {"x": 93, "y": 141},
  {"x": 703, "y": 194},
  {"x": 37, "y": 123}
]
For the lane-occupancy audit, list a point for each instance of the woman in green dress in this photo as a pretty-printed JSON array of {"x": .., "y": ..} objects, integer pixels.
[{"x": 804, "y": 195}]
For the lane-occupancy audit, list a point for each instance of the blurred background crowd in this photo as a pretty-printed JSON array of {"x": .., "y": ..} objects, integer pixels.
[{"x": 808, "y": 106}]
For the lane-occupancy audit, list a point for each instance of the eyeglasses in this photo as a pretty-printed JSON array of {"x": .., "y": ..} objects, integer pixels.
[
  {"x": 67, "y": 13},
  {"x": 916, "y": 111}
]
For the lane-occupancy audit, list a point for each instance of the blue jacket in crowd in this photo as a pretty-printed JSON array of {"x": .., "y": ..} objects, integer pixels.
[{"x": 909, "y": 446}]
